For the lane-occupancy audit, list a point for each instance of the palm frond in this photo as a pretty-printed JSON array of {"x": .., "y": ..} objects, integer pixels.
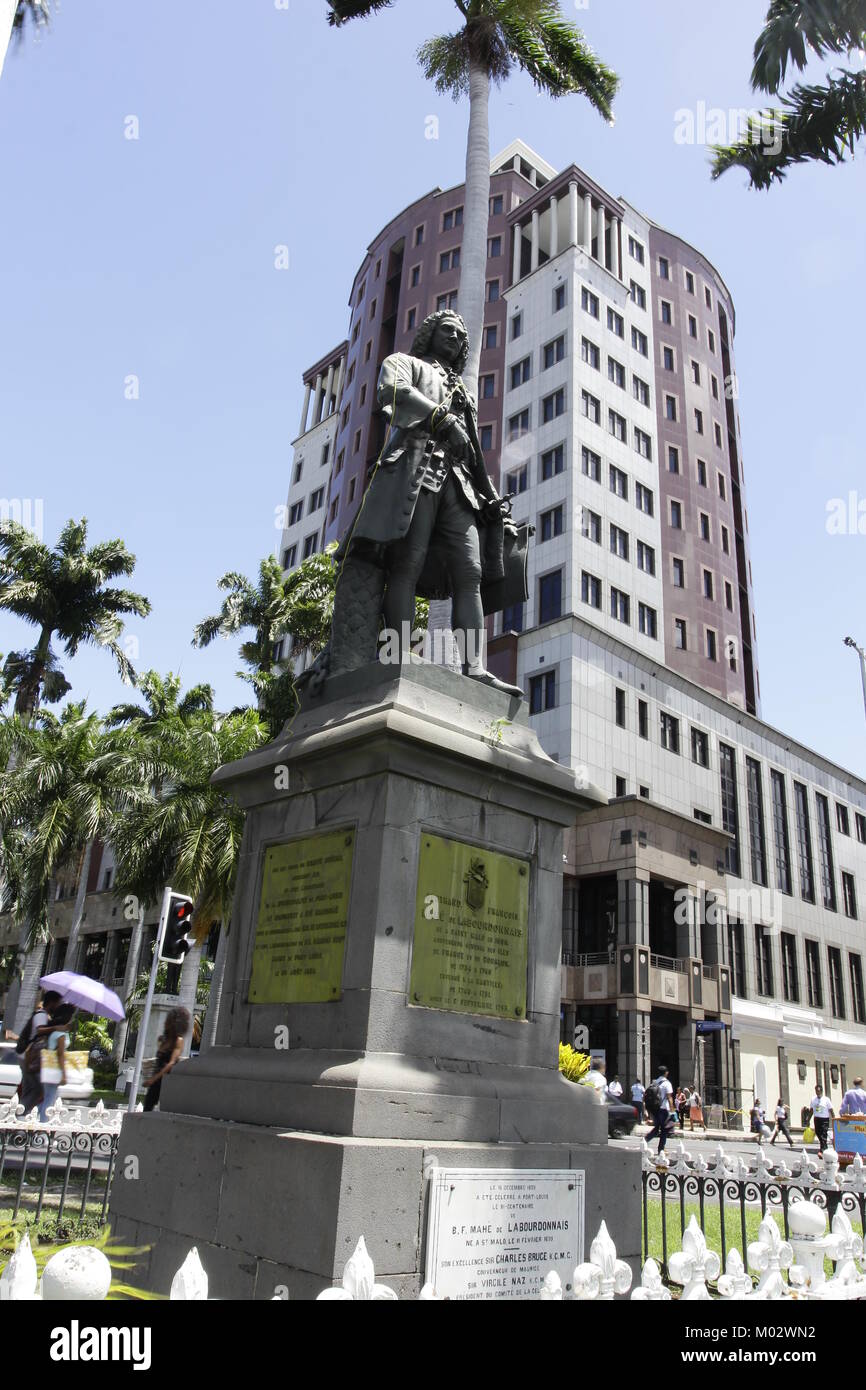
[
  {"x": 341, "y": 11},
  {"x": 794, "y": 29}
]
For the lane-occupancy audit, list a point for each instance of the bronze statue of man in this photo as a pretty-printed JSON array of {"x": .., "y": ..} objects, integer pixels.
[{"x": 431, "y": 522}]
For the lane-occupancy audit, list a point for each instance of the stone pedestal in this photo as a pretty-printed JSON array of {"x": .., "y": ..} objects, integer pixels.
[{"x": 310, "y": 1124}]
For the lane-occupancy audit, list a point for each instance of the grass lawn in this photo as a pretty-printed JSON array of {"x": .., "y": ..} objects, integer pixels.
[{"x": 712, "y": 1227}]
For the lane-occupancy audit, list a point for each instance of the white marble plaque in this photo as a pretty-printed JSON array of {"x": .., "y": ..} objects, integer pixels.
[{"x": 496, "y": 1232}]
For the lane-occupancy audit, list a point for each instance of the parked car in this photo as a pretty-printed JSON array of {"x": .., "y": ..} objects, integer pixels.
[
  {"x": 621, "y": 1118},
  {"x": 10, "y": 1076}
]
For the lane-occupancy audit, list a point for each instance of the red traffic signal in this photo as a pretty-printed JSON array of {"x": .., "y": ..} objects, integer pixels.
[{"x": 177, "y": 937}]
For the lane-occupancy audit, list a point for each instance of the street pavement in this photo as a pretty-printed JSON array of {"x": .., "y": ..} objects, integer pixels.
[{"x": 732, "y": 1141}]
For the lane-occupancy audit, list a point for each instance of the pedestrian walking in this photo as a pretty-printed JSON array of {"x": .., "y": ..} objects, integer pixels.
[
  {"x": 781, "y": 1117},
  {"x": 614, "y": 1089},
  {"x": 637, "y": 1094},
  {"x": 682, "y": 1105},
  {"x": 30, "y": 1043},
  {"x": 854, "y": 1100},
  {"x": 659, "y": 1100},
  {"x": 759, "y": 1126},
  {"x": 822, "y": 1113},
  {"x": 696, "y": 1110},
  {"x": 57, "y": 1041},
  {"x": 168, "y": 1052}
]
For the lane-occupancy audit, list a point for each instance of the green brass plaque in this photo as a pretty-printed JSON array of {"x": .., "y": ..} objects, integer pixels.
[
  {"x": 471, "y": 921},
  {"x": 301, "y": 928}
]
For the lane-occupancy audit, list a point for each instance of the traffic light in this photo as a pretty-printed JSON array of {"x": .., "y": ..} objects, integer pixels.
[{"x": 177, "y": 938}]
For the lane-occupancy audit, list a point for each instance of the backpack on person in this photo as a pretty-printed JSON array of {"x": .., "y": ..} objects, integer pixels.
[{"x": 652, "y": 1098}]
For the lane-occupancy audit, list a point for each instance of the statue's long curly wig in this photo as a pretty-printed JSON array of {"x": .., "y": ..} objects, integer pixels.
[{"x": 423, "y": 340}]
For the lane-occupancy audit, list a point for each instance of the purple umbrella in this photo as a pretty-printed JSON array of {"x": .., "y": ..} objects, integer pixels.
[{"x": 90, "y": 995}]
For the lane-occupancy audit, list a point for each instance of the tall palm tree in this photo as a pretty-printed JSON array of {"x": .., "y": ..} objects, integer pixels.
[
  {"x": 300, "y": 603},
  {"x": 68, "y": 780},
  {"x": 164, "y": 704},
  {"x": 64, "y": 593},
  {"x": 14, "y": 15},
  {"x": 816, "y": 122},
  {"x": 495, "y": 37}
]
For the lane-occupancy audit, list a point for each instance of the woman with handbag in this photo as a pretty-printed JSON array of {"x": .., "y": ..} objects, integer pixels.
[
  {"x": 169, "y": 1050},
  {"x": 58, "y": 1041}
]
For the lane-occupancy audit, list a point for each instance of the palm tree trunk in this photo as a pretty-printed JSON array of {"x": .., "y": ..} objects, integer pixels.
[
  {"x": 27, "y": 699},
  {"x": 188, "y": 987},
  {"x": 476, "y": 213},
  {"x": 8, "y": 9},
  {"x": 72, "y": 949},
  {"x": 216, "y": 992}
]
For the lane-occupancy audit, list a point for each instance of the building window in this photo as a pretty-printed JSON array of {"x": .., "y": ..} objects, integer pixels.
[
  {"x": 814, "y": 987},
  {"x": 702, "y": 473},
  {"x": 452, "y": 219},
  {"x": 299, "y": 471},
  {"x": 415, "y": 277},
  {"x": 670, "y": 732},
  {"x": 494, "y": 247},
  {"x": 673, "y": 458},
  {"x": 589, "y": 353},
  {"x": 737, "y": 958},
  {"x": 666, "y": 310},
  {"x": 616, "y": 373},
  {"x": 491, "y": 337},
  {"x": 487, "y": 386},
  {"x": 518, "y": 425},
  {"x": 516, "y": 326},
  {"x": 616, "y": 323},
  {"x": 446, "y": 301},
  {"x": 618, "y": 542},
  {"x": 708, "y": 298},
  {"x": 860, "y": 824},
  {"x": 296, "y": 511},
  {"x": 664, "y": 268},
  {"x": 550, "y": 597},
  {"x": 676, "y": 515},
  {"x": 639, "y": 342},
  {"x": 619, "y": 786},
  {"x": 705, "y": 526},
  {"x": 678, "y": 570},
  {"x": 647, "y": 620},
  {"x": 512, "y": 618},
  {"x": 485, "y": 437},
  {"x": 289, "y": 557},
  {"x": 552, "y": 462},
  {"x": 591, "y": 407},
  {"x": 619, "y": 707},
  {"x": 843, "y": 824},
  {"x": 837, "y": 985},
  {"x": 730, "y": 814},
  {"x": 590, "y": 589},
  {"x": 518, "y": 480},
  {"x": 635, "y": 250},
  {"x": 618, "y": 482},
  {"x": 681, "y": 641},
  {"x": 590, "y": 525},
  {"x": 825, "y": 853},
  {"x": 643, "y": 443},
  {"x": 492, "y": 294},
  {"x": 552, "y": 523},
  {"x": 722, "y": 487},
  {"x": 588, "y": 301},
  {"x": 699, "y": 421},
  {"x": 804, "y": 843},
  {"x": 693, "y": 326},
  {"x": 668, "y": 359},
  {"x": 757, "y": 837},
  {"x": 858, "y": 1004},
  {"x": 726, "y": 542},
  {"x": 717, "y": 434},
  {"x": 620, "y": 607},
  {"x": 521, "y": 372},
  {"x": 690, "y": 282},
  {"x": 708, "y": 584},
  {"x": 646, "y": 558},
  {"x": 711, "y": 340},
  {"x": 790, "y": 974},
  {"x": 643, "y": 499},
  {"x": 849, "y": 895},
  {"x": 559, "y": 300},
  {"x": 643, "y": 719},
  {"x": 714, "y": 383},
  {"x": 449, "y": 260},
  {"x": 780, "y": 831},
  {"x": 712, "y": 646},
  {"x": 591, "y": 464},
  {"x": 419, "y": 235},
  {"x": 703, "y": 816},
  {"x": 638, "y": 294},
  {"x": 696, "y": 372},
  {"x": 640, "y": 390},
  {"x": 317, "y": 500},
  {"x": 617, "y": 425},
  {"x": 553, "y": 406},
  {"x": 554, "y": 352},
  {"x": 763, "y": 962},
  {"x": 311, "y": 545},
  {"x": 496, "y": 205},
  {"x": 542, "y": 692},
  {"x": 700, "y": 748}
]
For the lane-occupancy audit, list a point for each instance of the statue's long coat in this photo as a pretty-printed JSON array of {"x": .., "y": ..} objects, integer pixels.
[{"x": 409, "y": 389}]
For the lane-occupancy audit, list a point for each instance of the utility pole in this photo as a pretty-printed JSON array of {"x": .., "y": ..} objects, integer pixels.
[
  {"x": 145, "y": 1013},
  {"x": 849, "y": 642}
]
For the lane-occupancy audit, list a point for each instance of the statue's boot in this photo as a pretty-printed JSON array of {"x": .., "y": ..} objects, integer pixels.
[{"x": 487, "y": 678}]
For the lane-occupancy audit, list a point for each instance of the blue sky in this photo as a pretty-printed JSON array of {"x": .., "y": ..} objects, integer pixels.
[{"x": 260, "y": 126}]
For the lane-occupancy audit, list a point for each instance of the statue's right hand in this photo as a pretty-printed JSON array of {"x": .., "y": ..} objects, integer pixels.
[{"x": 457, "y": 437}]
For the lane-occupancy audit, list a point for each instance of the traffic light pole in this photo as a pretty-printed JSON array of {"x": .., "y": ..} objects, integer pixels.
[{"x": 148, "y": 1003}]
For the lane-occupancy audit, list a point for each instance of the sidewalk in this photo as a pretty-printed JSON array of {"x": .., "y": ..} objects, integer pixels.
[{"x": 741, "y": 1135}]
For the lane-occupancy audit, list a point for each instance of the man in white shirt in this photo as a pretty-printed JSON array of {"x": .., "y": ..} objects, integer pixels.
[
  {"x": 596, "y": 1077},
  {"x": 637, "y": 1095},
  {"x": 822, "y": 1113},
  {"x": 614, "y": 1089},
  {"x": 661, "y": 1119}
]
